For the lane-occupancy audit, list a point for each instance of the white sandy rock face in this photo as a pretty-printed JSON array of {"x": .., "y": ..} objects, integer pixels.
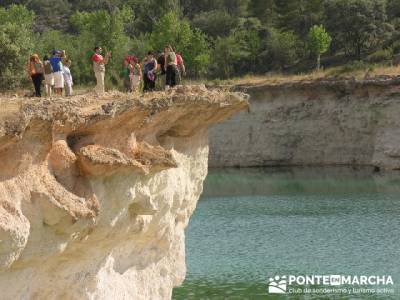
[{"x": 95, "y": 194}]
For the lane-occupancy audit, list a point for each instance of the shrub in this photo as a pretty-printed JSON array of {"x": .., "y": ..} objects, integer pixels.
[
  {"x": 351, "y": 67},
  {"x": 281, "y": 49},
  {"x": 318, "y": 41},
  {"x": 383, "y": 55},
  {"x": 216, "y": 23},
  {"x": 226, "y": 51},
  {"x": 101, "y": 28},
  {"x": 396, "y": 47},
  {"x": 191, "y": 43},
  {"x": 16, "y": 42}
]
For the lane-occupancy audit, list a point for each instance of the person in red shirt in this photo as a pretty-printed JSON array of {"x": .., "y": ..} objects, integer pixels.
[
  {"x": 99, "y": 68},
  {"x": 181, "y": 66}
]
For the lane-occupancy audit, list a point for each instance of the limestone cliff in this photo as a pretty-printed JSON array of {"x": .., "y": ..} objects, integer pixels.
[
  {"x": 95, "y": 194},
  {"x": 326, "y": 122}
]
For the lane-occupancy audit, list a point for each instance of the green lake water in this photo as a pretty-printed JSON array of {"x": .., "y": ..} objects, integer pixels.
[{"x": 251, "y": 224}]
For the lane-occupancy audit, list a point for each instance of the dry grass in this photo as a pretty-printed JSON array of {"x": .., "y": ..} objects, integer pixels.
[
  {"x": 357, "y": 71},
  {"x": 384, "y": 70},
  {"x": 273, "y": 79},
  {"x": 11, "y": 101}
]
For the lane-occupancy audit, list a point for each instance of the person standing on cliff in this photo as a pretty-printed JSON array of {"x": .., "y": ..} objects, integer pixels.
[
  {"x": 99, "y": 68},
  {"x": 56, "y": 62},
  {"x": 68, "y": 82},
  {"x": 162, "y": 72},
  {"x": 48, "y": 76},
  {"x": 35, "y": 71},
  {"x": 170, "y": 67},
  {"x": 181, "y": 67},
  {"x": 150, "y": 69}
]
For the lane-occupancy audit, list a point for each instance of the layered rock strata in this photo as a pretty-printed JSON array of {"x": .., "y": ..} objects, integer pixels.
[{"x": 317, "y": 123}]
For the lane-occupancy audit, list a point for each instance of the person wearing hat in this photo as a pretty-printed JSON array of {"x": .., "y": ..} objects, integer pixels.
[
  {"x": 99, "y": 68},
  {"x": 56, "y": 62}
]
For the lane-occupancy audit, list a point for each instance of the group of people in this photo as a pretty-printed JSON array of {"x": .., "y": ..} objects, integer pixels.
[
  {"x": 54, "y": 70},
  {"x": 163, "y": 70}
]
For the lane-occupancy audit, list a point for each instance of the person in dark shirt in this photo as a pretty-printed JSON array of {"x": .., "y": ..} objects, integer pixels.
[
  {"x": 150, "y": 69},
  {"x": 161, "y": 63},
  {"x": 161, "y": 69},
  {"x": 35, "y": 71},
  {"x": 170, "y": 68}
]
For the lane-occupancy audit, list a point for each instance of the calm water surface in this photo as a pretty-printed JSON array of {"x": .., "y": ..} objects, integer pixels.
[{"x": 251, "y": 224}]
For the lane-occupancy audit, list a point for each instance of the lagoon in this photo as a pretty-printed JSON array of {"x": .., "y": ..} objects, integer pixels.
[{"x": 253, "y": 224}]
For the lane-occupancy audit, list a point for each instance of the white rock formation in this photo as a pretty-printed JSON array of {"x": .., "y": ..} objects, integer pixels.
[{"x": 95, "y": 194}]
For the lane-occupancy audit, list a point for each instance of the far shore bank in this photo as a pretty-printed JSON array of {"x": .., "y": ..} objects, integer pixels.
[{"x": 329, "y": 121}]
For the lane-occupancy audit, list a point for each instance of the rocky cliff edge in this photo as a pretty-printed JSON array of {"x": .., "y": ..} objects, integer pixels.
[{"x": 95, "y": 194}]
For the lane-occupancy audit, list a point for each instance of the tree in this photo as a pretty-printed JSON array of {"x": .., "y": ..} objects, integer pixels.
[
  {"x": 148, "y": 12},
  {"x": 281, "y": 49},
  {"x": 319, "y": 41},
  {"x": 299, "y": 15},
  {"x": 90, "y": 5},
  {"x": 393, "y": 8},
  {"x": 247, "y": 37},
  {"x": 238, "y": 8},
  {"x": 101, "y": 28},
  {"x": 225, "y": 52},
  {"x": 356, "y": 25},
  {"x": 215, "y": 23},
  {"x": 52, "y": 14},
  {"x": 171, "y": 29},
  {"x": 16, "y": 43},
  {"x": 238, "y": 53},
  {"x": 264, "y": 10}
]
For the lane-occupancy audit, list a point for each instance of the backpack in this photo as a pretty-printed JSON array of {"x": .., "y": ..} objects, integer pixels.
[{"x": 48, "y": 68}]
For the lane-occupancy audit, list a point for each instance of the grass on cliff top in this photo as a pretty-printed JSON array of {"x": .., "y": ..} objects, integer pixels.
[{"x": 357, "y": 70}]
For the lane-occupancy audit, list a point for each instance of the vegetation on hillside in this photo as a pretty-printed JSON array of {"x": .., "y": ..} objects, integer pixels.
[{"x": 218, "y": 39}]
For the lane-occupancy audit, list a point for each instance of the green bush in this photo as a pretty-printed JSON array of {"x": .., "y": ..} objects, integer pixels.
[
  {"x": 396, "y": 47},
  {"x": 104, "y": 29},
  {"x": 351, "y": 67},
  {"x": 281, "y": 49},
  {"x": 215, "y": 23},
  {"x": 16, "y": 43},
  {"x": 319, "y": 41},
  {"x": 383, "y": 55},
  {"x": 225, "y": 52},
  {"x": 172, "y": 30}
]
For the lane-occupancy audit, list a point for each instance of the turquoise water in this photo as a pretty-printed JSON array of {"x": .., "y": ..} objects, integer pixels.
[{"x": 251, "y": 224}]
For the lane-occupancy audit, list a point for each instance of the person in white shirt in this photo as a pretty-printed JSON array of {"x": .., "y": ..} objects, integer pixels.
[
  {"x": 48, "y": 76},
  {"x": 68, "y": 83}
]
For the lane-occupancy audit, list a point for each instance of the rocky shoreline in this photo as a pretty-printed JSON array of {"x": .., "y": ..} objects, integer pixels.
[{"x": 322, "y": 122}]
